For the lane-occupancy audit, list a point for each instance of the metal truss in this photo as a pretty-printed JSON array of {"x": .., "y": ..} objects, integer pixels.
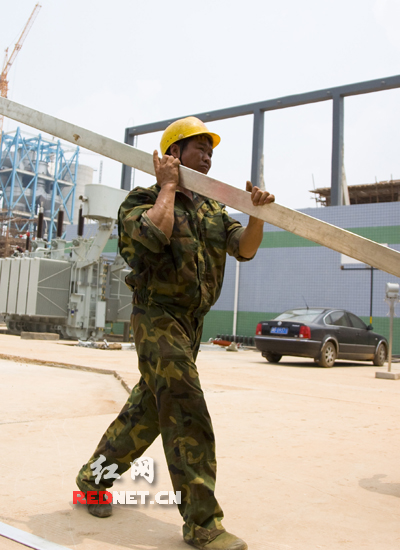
[
  {"x": 336, "y": 95},
  {"x": 35, "y": 172}
]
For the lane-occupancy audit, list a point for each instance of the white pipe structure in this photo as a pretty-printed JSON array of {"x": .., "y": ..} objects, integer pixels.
[
  {"x": 392, "y": 298},
  {"x": 236, "y": 298},
  {"x": 322, "y": 233}
]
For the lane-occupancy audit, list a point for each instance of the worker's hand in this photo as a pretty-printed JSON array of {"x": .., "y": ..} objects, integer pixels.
[
  {"x": 167, "y": 170},
  {"x": 259, "y": 197}
]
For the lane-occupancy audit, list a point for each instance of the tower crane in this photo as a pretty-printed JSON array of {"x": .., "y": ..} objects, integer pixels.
[{"x": 8, "y": 61}]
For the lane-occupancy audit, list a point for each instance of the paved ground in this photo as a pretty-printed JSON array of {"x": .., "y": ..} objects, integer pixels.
[{"x": 308, "y": 457}]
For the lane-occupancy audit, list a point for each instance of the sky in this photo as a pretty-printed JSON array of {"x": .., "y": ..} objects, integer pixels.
[{"x": 111, "y": 65}]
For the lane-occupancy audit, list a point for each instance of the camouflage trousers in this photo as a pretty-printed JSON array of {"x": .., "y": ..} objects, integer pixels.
[{"x": 168, "y": 399}]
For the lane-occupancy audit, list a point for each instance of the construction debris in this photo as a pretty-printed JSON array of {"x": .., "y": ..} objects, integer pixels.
[{"x": 105, "y": 345}]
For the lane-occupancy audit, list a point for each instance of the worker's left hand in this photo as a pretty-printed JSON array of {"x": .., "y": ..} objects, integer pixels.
[{"x": 258, "y": 196}]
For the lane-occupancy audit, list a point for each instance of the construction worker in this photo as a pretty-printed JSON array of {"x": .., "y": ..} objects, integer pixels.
[{"x": 175, "y": 242}]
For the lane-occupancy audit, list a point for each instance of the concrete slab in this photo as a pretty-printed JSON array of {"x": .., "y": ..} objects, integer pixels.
[
  {"x": 308, "y": 457},
  {"x": 388, "y": 375}
]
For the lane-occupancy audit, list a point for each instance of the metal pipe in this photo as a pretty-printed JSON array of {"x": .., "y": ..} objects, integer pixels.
[
  {"x": 60, "y": 221},
  {"x": 392, "y": 297},
  {"x": 236, "y": 300},
  {"x": 81, "y": 222},
  {"x": 390, "y": 335},
  {"x": 40, "y": 224},
  {"x": 372, "y": 295}
]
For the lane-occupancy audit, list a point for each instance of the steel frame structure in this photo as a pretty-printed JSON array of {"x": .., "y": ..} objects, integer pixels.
[
  {"x": 257, "y": 110},
  {"x": 20, "y": 160},
  {"x": 298, "y": 223}
]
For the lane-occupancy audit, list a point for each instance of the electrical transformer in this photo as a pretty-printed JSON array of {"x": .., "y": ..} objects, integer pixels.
[{"x": 69, "y": 288}]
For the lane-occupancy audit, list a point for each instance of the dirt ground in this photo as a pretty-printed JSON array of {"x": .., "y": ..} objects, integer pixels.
[{"x": 308, "y": 458}]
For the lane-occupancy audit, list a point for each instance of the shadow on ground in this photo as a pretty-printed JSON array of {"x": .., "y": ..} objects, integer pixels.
[
  {"x": 375, "y": 485},
  {"x": 313, "y": 365}
]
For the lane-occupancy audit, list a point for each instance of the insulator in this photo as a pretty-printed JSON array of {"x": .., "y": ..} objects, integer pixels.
[
  {"x": 60, "y": 221},
  {"x": 81, "y": 223},
  {"x": 40, "y": 225}
]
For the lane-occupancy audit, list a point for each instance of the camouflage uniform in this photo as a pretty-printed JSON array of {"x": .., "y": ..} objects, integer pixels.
[{"x": 175, "y": 282}]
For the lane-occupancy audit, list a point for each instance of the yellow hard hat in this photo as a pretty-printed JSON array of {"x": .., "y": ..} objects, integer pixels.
[{"x": 184, "y": 128}]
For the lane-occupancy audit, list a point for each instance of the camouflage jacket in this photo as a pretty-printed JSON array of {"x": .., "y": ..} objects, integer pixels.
[{"x": 183, "y": 273}]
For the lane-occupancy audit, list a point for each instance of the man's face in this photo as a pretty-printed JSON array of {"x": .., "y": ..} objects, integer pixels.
[{"x": 197, "y": 154}]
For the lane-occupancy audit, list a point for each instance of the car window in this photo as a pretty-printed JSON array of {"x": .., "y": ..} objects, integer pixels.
[
  {"x": 299, "y": 315},
  {"x": 356, "y": 321},
  {"x": 337, "y": 318}
]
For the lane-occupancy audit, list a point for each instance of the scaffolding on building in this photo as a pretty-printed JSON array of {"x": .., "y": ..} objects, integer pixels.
[
  {"x": 35, "y": 173},
  {"x": 366, "y": 193}
]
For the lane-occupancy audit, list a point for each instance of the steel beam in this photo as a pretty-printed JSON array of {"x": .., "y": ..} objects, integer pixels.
[
  {"x": 14, "y": 173},
  {"x": 300, "y": 224},
  {"x": 126, "y": 176},
  {"x": 336, "y": 94},
  {"x": 257, "y": 177},
  {"x": 278, "y": 103},
  {"x": 337, "y": 151}
]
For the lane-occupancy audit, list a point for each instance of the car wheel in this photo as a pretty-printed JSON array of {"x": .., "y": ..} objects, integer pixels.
[
  {"x": 380, "y": 355},
  {"x": 272, "y": 357},
  {"x": 328, "y": 355}
]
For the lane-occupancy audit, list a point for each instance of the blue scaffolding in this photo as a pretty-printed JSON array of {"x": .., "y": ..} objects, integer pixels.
[{"x": 36, "y": 173}]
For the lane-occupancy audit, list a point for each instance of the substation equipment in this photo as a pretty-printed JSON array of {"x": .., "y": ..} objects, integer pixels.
[
  {"x": 35, "y": 173},
  {"x": 70, "y": 288}
]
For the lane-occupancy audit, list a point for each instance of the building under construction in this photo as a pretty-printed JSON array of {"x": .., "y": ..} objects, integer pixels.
[{"x": 366, "y": 193}]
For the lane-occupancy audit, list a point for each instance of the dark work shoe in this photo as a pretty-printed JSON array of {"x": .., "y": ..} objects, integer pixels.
[
  {"x": 99, "y": 510},
  {"x": 224, "y": 541}
]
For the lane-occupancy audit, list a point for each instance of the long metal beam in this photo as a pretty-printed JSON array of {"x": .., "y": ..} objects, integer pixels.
[{"x": 298, "y": 223}]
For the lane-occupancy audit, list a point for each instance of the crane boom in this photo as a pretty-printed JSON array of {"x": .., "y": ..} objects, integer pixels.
[
  {"x": 21, "y": 40},
  {"x": 8, "y": 61}
]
